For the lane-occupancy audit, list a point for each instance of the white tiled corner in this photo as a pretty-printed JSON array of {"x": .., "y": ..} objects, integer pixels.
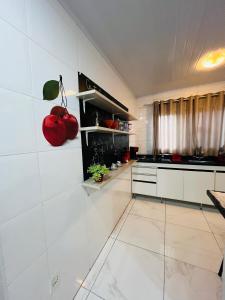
[
  {"x": 16, "y": 123},
  {"x": 93, "y": 274},
  {"x": 143, "y": 232},
  {"x": 14, "y": 12},
  {"x": 41, "y": 110},
  {"x": 46, "y": 67},
  {"x": 184, "y": 281},
  {"x": 61, "y": 39},
  {"x": 33, "y": 283},
  {"x": 59, "y": 171},
  {"x": 16, "y": 75},
  {"x": 23, "y": 241},
  {"x": 20, "y": 188},
  {"x": 131, "y": 273}
]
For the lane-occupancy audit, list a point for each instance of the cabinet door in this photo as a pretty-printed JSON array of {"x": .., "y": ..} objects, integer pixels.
[
  {"x": 144, "y": 188},
  {"x": 170, "y": 184},
  {"x": 196, "y": 183},
  {"x": 220, "y": 182}
]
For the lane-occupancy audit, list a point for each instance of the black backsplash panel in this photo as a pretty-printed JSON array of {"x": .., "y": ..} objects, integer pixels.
[{"x": 100, "y": 147}]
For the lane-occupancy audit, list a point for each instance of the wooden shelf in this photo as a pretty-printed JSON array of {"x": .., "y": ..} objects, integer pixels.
[
  {"x": 97, "y": 99},
  {"x": 100, "y": 129}
]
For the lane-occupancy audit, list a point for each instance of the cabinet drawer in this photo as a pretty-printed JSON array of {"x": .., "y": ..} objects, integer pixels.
[
  {"x": 148, "y": 178},
  {"x": 144, "y": 188},
  {"x": 143, "y": 170}
]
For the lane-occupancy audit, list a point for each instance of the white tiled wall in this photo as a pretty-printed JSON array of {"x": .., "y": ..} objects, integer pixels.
[{"x": 43, "y": 208}]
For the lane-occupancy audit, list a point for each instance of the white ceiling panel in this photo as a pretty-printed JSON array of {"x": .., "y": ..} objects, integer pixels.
[{"x": 155, "y": 44}]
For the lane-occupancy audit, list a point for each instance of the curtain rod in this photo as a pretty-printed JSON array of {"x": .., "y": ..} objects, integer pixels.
[{"x": 186, "y": 99}]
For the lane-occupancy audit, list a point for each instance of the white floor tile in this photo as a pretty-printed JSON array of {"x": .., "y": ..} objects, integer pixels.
[
  {"x": 82, "y": 294},
  {"x": 131, "y": 273},
  {"x": 149, "y": 208},
  {"x": 220, "y": 238},
  {"x": 215, "y": 220},
  {"x": 193, "y": 246},
  {"x": 93, "y": 297},
  {"x": 143, "y": 232},
  {"x": 187, "y": 282},
  {"x": 93, "y": 274},
  {"x": 190, "y": 217}
]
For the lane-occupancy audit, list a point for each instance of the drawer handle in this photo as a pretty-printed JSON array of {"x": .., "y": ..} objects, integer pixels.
[
  {"x": 147, "y": 174},
  {"x": 144, "y": 181}
]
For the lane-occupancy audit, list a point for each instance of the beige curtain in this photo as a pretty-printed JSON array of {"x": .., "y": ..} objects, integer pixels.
[{"x": 185, "y": 125}]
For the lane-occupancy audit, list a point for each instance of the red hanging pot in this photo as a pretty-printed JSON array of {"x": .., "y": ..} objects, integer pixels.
[
  {"x": 54, "y": 130},
  {"x": 71, "y": 124}
]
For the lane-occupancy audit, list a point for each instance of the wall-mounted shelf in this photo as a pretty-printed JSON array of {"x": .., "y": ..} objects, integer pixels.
[
  {"x": 100, "y": 129},
  {"x": 97, "y": 99},
  {"x": 90, "y": 184}
]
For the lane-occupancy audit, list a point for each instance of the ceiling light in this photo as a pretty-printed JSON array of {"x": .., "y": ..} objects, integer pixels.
[{"x": 211, "y": 60}]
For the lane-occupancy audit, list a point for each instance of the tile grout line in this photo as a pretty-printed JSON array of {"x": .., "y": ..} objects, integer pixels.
[
  {"x": 126, "y": 216},
  {"x": 145, "y": 249},
  {"x": 211, "y": 231}
]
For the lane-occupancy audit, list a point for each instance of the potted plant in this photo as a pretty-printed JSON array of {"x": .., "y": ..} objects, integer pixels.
[{"x": 98, "y": 171}]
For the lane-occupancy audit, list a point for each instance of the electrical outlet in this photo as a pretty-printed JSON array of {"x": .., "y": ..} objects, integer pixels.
[{"x": 55, "y": 282}]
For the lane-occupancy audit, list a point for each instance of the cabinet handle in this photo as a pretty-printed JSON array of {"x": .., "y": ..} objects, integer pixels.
[{"x": 153, "y": 182}]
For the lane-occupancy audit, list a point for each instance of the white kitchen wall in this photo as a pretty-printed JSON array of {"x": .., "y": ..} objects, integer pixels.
[
  {"x": 44, "y": 210},
  {"x": 143, "y": 127}
]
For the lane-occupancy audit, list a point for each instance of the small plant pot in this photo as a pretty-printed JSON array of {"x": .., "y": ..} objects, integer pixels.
[{"x": 100, "y": 179}]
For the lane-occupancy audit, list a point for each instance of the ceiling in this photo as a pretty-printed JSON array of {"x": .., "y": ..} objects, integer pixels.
[{"x": 155, "y": 44}]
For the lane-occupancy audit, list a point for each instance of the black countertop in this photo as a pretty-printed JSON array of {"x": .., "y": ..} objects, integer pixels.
[{"x": 185, "y": 160}]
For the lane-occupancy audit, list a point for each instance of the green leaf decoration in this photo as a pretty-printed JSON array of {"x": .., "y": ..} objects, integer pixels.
[{"x": 51, "y": 90}]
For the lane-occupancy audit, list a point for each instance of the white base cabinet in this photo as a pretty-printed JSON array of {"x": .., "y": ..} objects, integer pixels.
[
  {"x": 170, "y": 184},
  {"x": 220, "y": 181},
  {"x": 178, "y": 182},
  {"x": 196, "y": 183},
  {"x": 144, "y": 188}
]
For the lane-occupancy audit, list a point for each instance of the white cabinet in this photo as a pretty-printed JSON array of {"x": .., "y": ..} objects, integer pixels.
[
  {"x": 196, "y": 183},
  {"x": 170, "y": 183},
  {"x": 220, "y": 181},
  {"x": 144, "y": 188}
]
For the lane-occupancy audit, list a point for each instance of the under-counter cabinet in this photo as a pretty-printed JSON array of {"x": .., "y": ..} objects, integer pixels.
[
  {"x": 196, "y": 183},
  {"x": 220, "y": 181},
  {"x": 144, "y": 181},
  {"x": 170, "y": 183}
]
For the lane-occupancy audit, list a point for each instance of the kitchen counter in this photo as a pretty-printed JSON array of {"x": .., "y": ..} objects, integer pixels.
[
  {"x": 181, "y": 165},
  {"x": 190, "y": 162},
  {"x": 186, "y": 160}
]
